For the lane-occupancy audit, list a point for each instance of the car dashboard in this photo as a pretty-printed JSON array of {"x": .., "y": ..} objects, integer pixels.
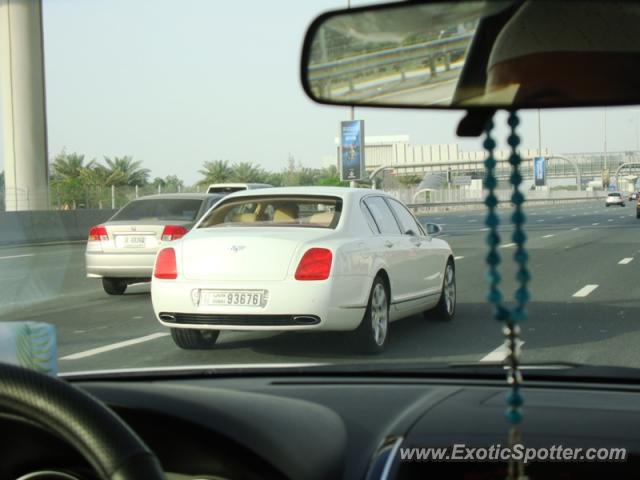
[{"x": 331, "y": 427}]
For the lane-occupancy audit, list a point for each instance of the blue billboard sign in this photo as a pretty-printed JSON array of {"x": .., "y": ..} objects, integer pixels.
[
  {"x": 352, "y": 150},
  {"x": 538, "y": 171}
]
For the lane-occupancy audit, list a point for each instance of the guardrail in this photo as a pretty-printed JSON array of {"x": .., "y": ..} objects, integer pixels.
[
  {"x": 470, "y": 203},
  {"x": 357, "y": 63},
  {"x": 34, "y": 227}
]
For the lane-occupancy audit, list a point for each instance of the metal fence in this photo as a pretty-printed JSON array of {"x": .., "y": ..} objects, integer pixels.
[
  {"x": 81, "y": 197},
  {"x": 456, "y": 195},
  {"x": 104, "y": 198}
]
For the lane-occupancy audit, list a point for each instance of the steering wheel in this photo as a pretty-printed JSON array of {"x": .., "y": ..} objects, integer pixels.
[{"x": 105, "y": 441}]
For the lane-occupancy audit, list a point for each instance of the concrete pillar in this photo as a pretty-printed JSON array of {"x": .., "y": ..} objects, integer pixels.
[{"x": 23, "y": 103}]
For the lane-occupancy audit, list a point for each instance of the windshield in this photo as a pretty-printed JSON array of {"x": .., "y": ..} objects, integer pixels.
[
  {"x": 159, "y": 209},
  {"x": 370, "y": 248}
]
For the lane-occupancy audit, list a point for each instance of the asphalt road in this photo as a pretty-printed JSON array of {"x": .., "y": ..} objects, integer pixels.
[
  {"x": 585, "y": 302},
  {"x": 429, "y": 94}
]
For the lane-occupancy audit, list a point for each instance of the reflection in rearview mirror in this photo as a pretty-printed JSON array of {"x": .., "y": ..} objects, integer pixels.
[{"x": 476, "y": 54}]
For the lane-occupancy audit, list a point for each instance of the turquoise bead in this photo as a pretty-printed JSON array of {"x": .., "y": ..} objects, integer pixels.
[
  {"x": 517, "y": 198},
  {"x": 522, "y": 295},
  {"x": 513, "y": 416},
  {"x": 494, "y": 297},
  {"x": 513, "y": 140},
  {"x": 513, "y": 121},
  {"x": 519, "y": 236},
  {"x": 490, "y": 163},
  {"x": 523, "y": 276},
  {"x": 519, "y": 315},
  {"x": 493, "y": 258},
  {"x": 516, "y": 179},
  {"x": 518, "y": 217},
  {"x": 492, "y": 219},
  {"x": 514, "y": 399},
  {"x": 490, "y": 183},
  {"x": 521, "y": 256},
  {"x": 491, "y": 201},
  {"x": 489, "y": 143},
  {"x": 493, "y": 277},
  {"x": 493, "y": 238}
]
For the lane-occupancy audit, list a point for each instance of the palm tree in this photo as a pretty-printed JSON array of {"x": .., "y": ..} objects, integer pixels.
[
  {"x": 247, "y": 172},
  {"x": 126, "y": 171},
  {"x": 217, "y": 171},
  {"x": 68, "y": 174},
  {"x": 69, "y": 165},
  {"x": 159, "y": 182}
]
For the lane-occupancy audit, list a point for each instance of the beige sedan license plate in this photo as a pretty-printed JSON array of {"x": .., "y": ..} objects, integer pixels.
[
  {"x": 240, "y": 298},
  {"x": 131, "y": 241}
]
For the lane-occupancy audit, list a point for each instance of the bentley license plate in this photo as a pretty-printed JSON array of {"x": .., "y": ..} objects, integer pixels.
[{"x": 241, "y": 298}]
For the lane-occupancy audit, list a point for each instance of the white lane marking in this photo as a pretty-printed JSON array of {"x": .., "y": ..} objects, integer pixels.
[
  {"x": 624, "y": 261},
  {"x": 438, "y": 218},
  {"x": 498, "y": 354},
  {"x": 541, "y": 220},
  {"x": 486, "y": 229},
  {"x": 611, "y": 219},
  {"x": 573, "y": 215},
  {"x": 114, "y": 346},
  {"x": 17, "y": 256},
  {"x": 575, "y": 228},
  {"x": 594, "y": 224},
  {"x": 472, "y": 221},
  {"x": 507, "y": 245},
  {"x": 584, "y": 291},
  {"x": 458, "y": 258},
  {"x": 559, "y": 218},
  {"x": 547, "y": 236}
]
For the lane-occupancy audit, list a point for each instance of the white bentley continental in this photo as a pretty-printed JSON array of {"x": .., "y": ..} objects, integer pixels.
[{"x": 302, "y": 258}]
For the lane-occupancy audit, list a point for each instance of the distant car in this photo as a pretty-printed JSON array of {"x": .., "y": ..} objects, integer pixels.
[
  {"x": 226, "y": 188},
  {"x": 302, "y": 258},
  {"x": 122, "y": 250},
  {"x": 614, "y": 198},
  {"x": 638, "y": 207},
  {"x": 633, "y": 196}
]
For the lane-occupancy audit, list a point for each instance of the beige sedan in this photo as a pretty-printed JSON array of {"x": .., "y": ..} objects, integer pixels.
[{"x": 121, "y": 251}]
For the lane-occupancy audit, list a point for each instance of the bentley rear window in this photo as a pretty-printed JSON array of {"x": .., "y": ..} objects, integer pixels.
[{"x": 272, "y": 211}]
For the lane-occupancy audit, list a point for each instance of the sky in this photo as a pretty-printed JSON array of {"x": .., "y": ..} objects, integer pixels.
[{"x": 175, "y": 84}]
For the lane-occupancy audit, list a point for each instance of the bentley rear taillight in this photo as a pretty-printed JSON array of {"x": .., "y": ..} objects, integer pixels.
[{"x": 315, "y": 264}]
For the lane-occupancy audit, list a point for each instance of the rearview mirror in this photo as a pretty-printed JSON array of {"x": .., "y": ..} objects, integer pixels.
[
  {"x": 433, "y": 229},
  {"x": 476, "y": 54}
]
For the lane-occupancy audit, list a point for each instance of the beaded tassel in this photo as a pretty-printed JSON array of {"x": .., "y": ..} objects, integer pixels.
[{"x": 509, "y": 317}]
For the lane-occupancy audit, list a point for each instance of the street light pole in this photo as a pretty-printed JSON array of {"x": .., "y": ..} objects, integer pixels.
[
  {"x": 352, "y": 114},
  {"x": 539, "y": 135},
  {"x": 605, "y": 138},
  {"x": 637, "y": 132}
]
